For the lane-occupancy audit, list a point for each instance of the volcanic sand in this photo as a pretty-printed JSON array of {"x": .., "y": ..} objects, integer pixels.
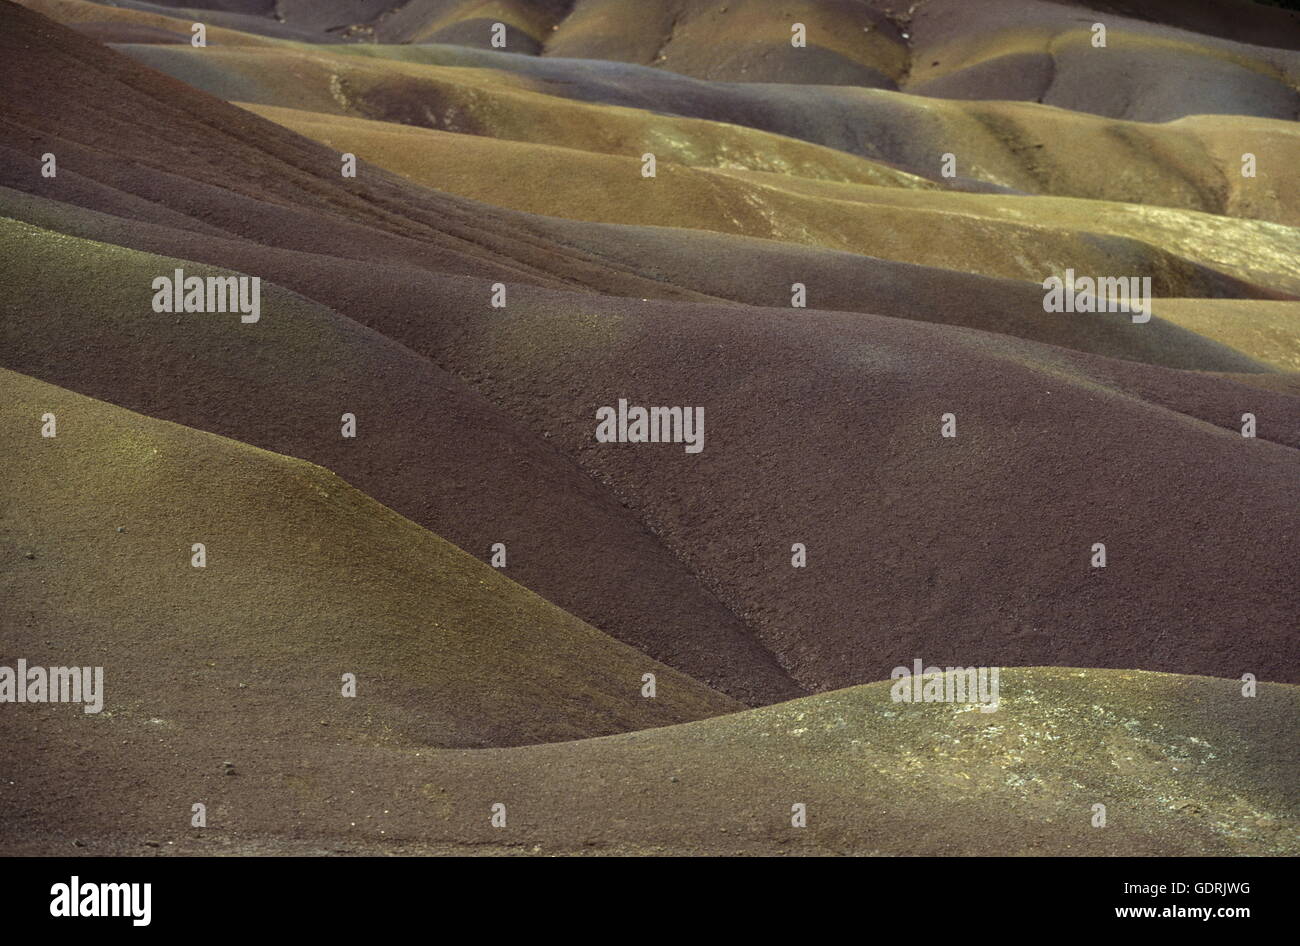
[
  {"x": 428, "y": 446},
  {"x": 1183, "y": 766},
  {"x": 973, "y": 550},
  {"x": 306, "y": 579},
  {"x": 1193, "y": 163},
  {"x": 1008, "y": 236}
]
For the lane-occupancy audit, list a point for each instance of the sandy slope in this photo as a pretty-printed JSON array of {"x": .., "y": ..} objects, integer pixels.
[
  {"x": 995, "y": 235},
  {"x": 773, "y": 478},
  {"x": 975, "y": 544},
  {"x": 1157, "y": 64},
  {"x": 1192, "y": 163},
  {"x": 1083, "y": 450},
  {"x": 306, "y": 579},
  {"x": 429, "y": 446},
  {"x": 1183, "y": 766},
  {"x": 287, "y": 198}
]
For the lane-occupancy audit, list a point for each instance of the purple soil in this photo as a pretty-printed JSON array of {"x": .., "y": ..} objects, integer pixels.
[
  {"x": 1141, "y": 83},
  {"x": 429, "y": 447},
  {"x": 1240, "y": 20},
  {"x": 824, "y": 426}
]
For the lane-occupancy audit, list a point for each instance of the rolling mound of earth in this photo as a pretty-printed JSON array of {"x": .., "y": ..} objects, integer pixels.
[
  {"x": 301, "y": 568},
  {"x": 1182, "y": 765},
  {"x": 477, "y": 227}
]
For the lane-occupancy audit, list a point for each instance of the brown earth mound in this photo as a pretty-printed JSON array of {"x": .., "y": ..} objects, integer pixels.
[
  {"x": 1183, "y": 766},
  {"x": 304, "y": 579},
  {"x": 429, "y": 446}
]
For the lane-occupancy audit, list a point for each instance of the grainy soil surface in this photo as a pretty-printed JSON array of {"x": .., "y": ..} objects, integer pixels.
[{"x": 839, "y": 258}]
